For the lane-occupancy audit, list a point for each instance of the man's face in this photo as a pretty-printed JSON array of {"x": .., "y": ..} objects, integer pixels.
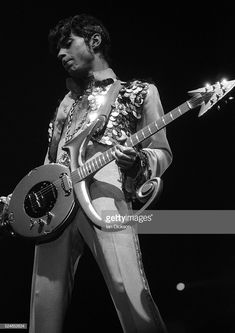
[{"x": 76, "y": 56}]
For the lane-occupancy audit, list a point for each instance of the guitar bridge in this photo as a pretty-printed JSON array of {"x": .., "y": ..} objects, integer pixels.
[{"x": 66, "y": 184}]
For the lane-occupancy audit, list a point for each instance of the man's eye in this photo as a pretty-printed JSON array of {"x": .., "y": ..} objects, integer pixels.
[{"x": 68, "y": 42}]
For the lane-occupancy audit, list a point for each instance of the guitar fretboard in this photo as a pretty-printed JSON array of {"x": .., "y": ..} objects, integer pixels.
[{"x": 100, "y": 161}]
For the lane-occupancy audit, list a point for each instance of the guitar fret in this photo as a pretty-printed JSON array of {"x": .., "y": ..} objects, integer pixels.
[
  {"x": 96, "y": 160},
  {"x": 134, "y": 140},
  {"x": 147, "y": 132},
  {"x": 103, "y": 158},
  {"x": 179, "y": 110},
  {"x": 163, "y": 119},
  {"x": 86, "y": 169},
  {"x": 93, "y": 165},
  {"x": 79, "y": 173},
  {"x": 149, "y": 128},
  {"x": 107, "y": 155},
  {"x": 131, "y": 141},
  {"x": 143, "y": 133},
  {"x": 89, "y": 166},
  {"x": 189, "y": 105},
  {"x": 100, "y": 160},
  {"x": 96, "y": 163},
  {"x": 137, "y": 138},
  {"x": 82, "y": 171},
  {"x": 169, "y": 117}
]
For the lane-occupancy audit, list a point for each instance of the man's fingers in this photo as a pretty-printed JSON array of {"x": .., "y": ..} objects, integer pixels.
[
  {"x": 123, "y": 156},
  {"x": 126, "y": 150}
]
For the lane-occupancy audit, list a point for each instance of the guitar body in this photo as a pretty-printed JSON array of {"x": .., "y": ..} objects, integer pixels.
[{"x": 42, "y": 203}]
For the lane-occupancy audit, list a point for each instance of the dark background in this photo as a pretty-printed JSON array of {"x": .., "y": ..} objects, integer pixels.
[{"x": 181, "y": 48}]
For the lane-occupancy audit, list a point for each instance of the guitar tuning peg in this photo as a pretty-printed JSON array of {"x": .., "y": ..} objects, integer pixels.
[
  {"x": 223, "y": 82},
  {"x": 207, "y": 87}
]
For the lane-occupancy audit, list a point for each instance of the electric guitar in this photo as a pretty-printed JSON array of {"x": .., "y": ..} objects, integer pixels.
[{"x": 44, "y": 201}]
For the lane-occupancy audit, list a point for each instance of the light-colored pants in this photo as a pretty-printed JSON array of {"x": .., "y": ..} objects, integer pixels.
[{"x": 118, "y": 256}]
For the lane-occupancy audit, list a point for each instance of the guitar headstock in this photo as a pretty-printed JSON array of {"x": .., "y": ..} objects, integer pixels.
[{"x": 209, "y": 95}]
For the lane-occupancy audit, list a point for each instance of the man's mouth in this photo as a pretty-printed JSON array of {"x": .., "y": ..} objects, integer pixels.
[{"x": 67, "y": 63}]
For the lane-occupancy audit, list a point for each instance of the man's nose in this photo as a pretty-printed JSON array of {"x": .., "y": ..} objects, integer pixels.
[{"x": 61, "y": 54}]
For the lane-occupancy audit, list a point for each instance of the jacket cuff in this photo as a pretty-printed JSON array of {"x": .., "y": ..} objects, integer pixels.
[{"x": 132, "y": 179}]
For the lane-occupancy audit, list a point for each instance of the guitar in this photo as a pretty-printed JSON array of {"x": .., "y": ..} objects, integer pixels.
[{"x": 43, "y": 203}]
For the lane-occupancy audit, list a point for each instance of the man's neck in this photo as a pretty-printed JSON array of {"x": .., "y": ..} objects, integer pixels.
[{"x": 98, "y": 65}]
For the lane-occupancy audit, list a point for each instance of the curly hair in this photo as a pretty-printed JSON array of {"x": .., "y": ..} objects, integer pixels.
[{"x": 82, "y": 25}]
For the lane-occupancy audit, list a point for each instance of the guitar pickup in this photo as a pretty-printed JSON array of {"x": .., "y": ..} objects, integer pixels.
[{"x": 66, "y": 184}]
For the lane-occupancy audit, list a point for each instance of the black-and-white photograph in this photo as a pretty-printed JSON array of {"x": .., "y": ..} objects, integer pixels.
[{"x": 117, "y": 181}]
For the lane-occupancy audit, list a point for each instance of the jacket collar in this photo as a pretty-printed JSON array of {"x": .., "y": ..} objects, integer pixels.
[{"x": 96, "y": 77}]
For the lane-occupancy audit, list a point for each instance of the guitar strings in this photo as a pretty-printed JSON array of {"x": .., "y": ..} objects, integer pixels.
[
  {"x": 74, "y": 174},
  {"x": 131, "y": 142}
]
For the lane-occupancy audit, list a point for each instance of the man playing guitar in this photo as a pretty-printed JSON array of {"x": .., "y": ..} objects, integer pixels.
[{"x": 81, "y": 44}]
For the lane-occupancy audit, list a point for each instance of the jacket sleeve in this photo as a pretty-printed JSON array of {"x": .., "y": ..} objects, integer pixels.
[
  {"x": 156, "y": 148},
  {"x": 155, "y": 154}
]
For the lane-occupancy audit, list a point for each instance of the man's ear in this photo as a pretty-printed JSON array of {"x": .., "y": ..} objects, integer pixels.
[{"x": 95, "y": 41}]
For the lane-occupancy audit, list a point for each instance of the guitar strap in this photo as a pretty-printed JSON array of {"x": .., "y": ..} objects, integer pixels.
[{"x": 105, "y": 109}]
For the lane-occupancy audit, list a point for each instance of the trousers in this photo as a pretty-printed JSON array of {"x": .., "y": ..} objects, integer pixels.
[{"x": 117, "y": 254}]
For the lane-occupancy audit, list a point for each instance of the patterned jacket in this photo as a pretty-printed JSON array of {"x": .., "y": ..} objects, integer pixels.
[{"x": 137, "y": 104}]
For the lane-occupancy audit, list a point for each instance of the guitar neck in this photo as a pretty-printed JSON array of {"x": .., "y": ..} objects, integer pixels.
[
  {"x": 157, "y": 125},
  {"x": 100, "y": 161}
]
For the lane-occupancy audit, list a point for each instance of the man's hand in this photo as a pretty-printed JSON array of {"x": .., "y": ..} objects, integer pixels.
[{"x": 126, "y": 157}]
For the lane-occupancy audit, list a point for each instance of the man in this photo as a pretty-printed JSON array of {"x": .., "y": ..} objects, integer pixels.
[{"x": 81, "y": 43}]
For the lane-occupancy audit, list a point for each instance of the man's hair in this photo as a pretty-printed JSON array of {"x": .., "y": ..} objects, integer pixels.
[{"x": 82, "y": 25}]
